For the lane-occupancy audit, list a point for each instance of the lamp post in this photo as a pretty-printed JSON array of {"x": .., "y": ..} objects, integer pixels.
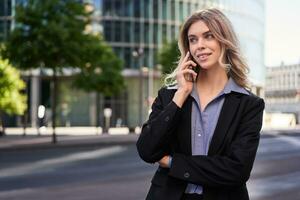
[{"x": 137, "y": 54}]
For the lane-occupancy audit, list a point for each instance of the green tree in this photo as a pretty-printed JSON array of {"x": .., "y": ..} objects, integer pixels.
[
  {"x": 12, "y": 101},
  {"x": 102, "y": 74},
  {"x": 52, "y": 34},
  {"x": 168, "y": 56}
]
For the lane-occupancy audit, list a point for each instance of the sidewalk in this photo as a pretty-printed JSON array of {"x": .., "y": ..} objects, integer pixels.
[{"x": 31, "y": 142}]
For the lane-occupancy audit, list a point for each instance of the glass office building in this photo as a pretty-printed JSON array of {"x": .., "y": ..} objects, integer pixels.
[
  {"x": 137, "y": 29},
  {"x": 248, "y": 19},
  {"x": 5, "y": 18}
]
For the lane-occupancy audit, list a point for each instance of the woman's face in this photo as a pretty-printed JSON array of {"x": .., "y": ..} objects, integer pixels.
[{"x": 204, "y": 48}]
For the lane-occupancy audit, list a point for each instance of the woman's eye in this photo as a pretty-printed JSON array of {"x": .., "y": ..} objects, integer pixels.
[
  {"x": 192, "y": 40},
  {"x": 209, "y": 36}
]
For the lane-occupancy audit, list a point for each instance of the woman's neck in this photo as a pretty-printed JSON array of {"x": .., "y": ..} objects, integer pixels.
[{"x": 212, "y": 81}]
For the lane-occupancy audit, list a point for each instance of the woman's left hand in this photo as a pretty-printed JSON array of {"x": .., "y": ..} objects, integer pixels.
[{"x": 164, "y": 162}]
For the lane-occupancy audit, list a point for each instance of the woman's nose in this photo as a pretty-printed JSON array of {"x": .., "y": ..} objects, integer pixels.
[{"x": 201, "y": 44}]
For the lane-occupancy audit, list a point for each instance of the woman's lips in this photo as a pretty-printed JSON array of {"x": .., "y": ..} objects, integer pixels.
[{"x": 203, "y": 57}]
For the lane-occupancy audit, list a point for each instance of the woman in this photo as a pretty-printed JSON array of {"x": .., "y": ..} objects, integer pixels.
[{"x": 204, "y": 127}]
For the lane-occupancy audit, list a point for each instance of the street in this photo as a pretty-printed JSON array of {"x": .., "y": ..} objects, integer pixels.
[{"x": 116, "y": 172}]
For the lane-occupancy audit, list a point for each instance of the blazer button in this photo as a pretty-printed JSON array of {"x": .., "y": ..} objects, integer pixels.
[
  {"x": 167, "y": 118},
  {"x": 186, "y": 175}
]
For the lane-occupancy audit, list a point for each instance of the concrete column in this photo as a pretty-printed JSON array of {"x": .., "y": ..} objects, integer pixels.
[
  {"x": 34, "y": 101},
  {"x": 92, "y": 109}
]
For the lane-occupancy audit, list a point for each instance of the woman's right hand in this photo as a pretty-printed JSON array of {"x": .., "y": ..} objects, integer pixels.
[
  {"x": 186, "y": 75},
  {"x": 185, "y": 78}
]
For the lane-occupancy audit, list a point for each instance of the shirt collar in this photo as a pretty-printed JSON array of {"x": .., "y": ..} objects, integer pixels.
[{"x": 231, "y": 86}]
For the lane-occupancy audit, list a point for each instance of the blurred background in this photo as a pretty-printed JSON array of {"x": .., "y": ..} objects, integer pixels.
[{"x": 78, "y": 77}]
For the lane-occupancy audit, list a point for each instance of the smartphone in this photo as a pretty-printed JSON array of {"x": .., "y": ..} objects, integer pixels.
[{"x": 196, "y": 69}]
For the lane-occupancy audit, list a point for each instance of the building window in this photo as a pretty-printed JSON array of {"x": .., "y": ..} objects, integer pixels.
[
  {"x": 137, "y": 32},
  {"x": 2, "y": 8},
  {"x": 107, "y": 8},
  {"x": 146, "y": 57},
  {"x": 137, "y": 8},
  {"x": 146, "y": 33},
  {"x": 172, "y": 10},
  {"x": 189, "y": 8},
  {"x": 173, "y": 32},
  {"x": 155, "y": 10},
  {"x": 1, "y": 30},
  {"x": 155, "y": 35},
  {"x": 127, "y": 57},
  {"x": 164, "y": 9},
  {"x": 127, "y": 8},
  {"x": 108, "y": 31},
  {"x": 118, "y": 7},
  {"x": 146, "y": 9},
  {"x": 118, "y": 31},
  {"x": 181, "y": 17},
  {"x": 164, "y": 32},
  {"x": 127, "y": 31}
]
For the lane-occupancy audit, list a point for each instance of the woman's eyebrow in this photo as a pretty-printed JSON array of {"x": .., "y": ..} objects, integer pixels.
[{"x": 205, "y": 33}]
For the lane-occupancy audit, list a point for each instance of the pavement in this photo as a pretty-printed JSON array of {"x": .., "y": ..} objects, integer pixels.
[
  {"x": 31, "y": 142},
  {"x": 14, "y": 139}
]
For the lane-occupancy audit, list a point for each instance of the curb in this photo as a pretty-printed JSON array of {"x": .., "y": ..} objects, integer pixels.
[{"x": 71, "y": 142}]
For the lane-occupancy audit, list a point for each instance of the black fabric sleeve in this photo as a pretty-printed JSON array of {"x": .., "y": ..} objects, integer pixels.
[
  {"x": 230, "y": 169},
  {"x": 154, "y": 140}
]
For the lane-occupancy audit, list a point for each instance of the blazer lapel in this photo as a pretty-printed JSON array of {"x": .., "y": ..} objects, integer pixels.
[{"x": 227, "y": 113}]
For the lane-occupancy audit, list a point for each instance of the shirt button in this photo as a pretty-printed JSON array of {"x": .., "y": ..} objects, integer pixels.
[
  {"x": 186, "y": 175},
  {"x": 167, "y": 118},
  {"x": 199, "y": 135}
]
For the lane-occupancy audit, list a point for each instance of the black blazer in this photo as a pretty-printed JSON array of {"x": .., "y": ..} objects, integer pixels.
[{"x": 224, "y": 171}]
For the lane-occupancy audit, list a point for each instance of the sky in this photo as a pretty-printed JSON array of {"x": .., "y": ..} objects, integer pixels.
[{"x": 282, "y": 36}]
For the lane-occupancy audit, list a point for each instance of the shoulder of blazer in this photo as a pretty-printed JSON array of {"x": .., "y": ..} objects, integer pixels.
[
  {"x": 166, "y": 94},
  {"x": 250, "y": 100}
]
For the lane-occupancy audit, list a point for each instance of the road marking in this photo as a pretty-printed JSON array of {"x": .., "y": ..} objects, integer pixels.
[
  {"x": 279, "y": 144},
  {"x": 273, "y": 185},
  {"x": 53, "y": 162},
  {"x": 292, "y": 140}
]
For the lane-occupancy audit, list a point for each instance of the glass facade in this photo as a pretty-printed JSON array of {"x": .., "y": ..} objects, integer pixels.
[
  {"x": 248, "y": 19},
  {"x": 131, "y": 24},
  {"x": 5, "y": 18}
]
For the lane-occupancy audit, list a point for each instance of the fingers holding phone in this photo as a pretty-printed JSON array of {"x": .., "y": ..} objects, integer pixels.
[
  {"x": 186, "y": 75},
  {"x": 188, "y": 63}
]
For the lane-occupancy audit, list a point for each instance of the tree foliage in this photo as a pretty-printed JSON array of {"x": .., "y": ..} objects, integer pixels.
[
  {"x": 103, "y": 73},
  {"x": 12, "y": 101},
  {"x": 48, "y": 34},
  {"x": 168, "y": 56},
  {"x": 53, "y": 34}
]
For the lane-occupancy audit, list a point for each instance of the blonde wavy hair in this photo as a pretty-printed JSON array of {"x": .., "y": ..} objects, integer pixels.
[{"x": 222, "y": 30}]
